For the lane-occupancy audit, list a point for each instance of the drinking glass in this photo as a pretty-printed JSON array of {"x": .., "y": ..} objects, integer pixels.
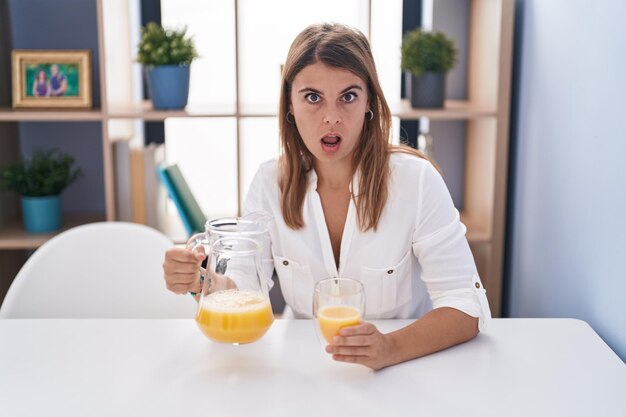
[{"x": 337, "y": 303}]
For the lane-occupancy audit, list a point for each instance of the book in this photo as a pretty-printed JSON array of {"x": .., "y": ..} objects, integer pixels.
[
  {"x": 153, "y": 192},
  {"x": 139, "y": 195},
  {"x": 138, "y": 198},
  {"x": 122, "y": 173},
  {"x": 179, "y": 192}
]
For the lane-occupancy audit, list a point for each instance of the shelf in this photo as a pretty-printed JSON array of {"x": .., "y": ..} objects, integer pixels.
[
  {"x": 8, "y": 114},
  {"x": 144, "y": 111},
  {"x": 475, "y": 234},
  {"x": 453, "y": 110},
  {"x": 13, "y": 236}
]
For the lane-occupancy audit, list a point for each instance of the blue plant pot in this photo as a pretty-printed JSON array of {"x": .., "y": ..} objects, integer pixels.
[
  {"x": 168, "y": 86},
  {"x": 428, "y": 90},
  {"x": 41, "y": 214}
]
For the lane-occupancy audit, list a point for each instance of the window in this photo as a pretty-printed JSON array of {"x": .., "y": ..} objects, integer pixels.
[{"x": 206, "y": 148}]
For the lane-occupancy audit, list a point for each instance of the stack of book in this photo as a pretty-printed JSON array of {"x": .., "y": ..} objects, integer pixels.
[
  {"x": 142, "y": 199},
  {"x": 139, "y": 196}
]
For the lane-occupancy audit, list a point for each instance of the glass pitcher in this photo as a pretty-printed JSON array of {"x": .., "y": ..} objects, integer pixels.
[
  {"x": 234, "y": 305},
  {"x": 254, "y": 225}
]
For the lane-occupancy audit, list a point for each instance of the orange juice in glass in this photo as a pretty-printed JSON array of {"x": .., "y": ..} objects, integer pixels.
[
  {"x": 331, "y": 319},
  {"x": 337, "y": 303}
]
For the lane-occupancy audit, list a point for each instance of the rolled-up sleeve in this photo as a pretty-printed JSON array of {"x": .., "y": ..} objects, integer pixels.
[{"x": 441, "y": 248}]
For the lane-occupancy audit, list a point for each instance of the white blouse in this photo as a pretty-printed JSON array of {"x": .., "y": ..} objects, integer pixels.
[{"x": 417, "y": 260}]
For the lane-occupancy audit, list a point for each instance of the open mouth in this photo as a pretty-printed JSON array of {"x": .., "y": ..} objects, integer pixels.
[{"x": 330, "y": 142}]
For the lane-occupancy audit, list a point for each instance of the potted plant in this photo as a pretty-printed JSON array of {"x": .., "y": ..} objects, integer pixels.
[
  {"x": 166, "y": 55},
  {"x": 426, "y": 58},
  {"x": 40, "y": 181}
]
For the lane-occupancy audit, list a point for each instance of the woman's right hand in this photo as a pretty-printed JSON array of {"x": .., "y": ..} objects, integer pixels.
[{"x": 181, "y": 269}]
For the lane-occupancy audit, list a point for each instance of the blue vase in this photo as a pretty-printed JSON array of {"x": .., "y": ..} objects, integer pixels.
[
  {"x": 41, "y": 214},
  {"x": 168, "y": 86},
  {"x": 428, "y": 90}
]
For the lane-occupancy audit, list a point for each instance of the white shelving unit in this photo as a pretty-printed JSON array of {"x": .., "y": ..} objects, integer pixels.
[{"x": 486, "y": 112}]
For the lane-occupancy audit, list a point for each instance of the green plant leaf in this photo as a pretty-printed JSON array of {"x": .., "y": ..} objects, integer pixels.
[
  {"x": 161, "y": 46},
  {"x": 427, "y": 52},
  {"x": 45, "y": 173}
]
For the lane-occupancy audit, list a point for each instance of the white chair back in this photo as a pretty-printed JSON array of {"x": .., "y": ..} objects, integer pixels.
[{"x": 98, "y": 270}]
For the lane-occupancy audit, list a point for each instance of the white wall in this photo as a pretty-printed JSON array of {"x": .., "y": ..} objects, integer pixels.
[{"x": 568, "y": 234}]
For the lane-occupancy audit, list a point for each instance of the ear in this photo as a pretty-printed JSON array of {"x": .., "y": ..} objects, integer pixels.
[{"x": 291, "y": 108}]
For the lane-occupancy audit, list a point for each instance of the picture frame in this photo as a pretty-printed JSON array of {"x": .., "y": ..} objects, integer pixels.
[{"x": 51, "y": 79}]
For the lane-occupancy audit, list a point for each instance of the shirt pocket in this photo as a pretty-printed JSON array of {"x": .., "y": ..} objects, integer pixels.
[
  {"x": 387, "y": 288},
  {"x": 296, "y": 283}
]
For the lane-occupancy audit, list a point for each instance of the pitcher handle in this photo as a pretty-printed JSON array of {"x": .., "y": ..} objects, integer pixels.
[{"x": 199, "y": 239}]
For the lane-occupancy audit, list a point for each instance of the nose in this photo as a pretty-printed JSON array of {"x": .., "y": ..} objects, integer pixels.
[{"x": 331, "y": 116}]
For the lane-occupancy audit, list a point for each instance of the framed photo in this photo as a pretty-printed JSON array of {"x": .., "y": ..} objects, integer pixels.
[{"x": 51, "y": 78}]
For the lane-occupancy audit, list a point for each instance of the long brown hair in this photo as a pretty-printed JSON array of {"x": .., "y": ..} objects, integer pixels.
[{"x": 338, "y": 46}]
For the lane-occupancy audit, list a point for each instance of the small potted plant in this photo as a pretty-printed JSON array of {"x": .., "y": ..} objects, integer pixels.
[
  {"x": 426, "y": 58},
  {"x": 40, "y": 181},
  {"x": 166, "y": 55}
]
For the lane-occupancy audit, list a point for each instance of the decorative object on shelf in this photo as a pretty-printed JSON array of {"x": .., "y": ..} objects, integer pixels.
[
  {"x": 51, "y": 78},
  {"x": 40, "y": 181},
  {"x": 426, "y": 58},
  {"x": 166, "y": 55},
  {"x": 425, "y": 139}
]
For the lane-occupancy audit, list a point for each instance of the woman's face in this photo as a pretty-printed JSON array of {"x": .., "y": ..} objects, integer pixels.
[
  {"x": 41, "y": 76},
  {"x": 329, "y": 106}
]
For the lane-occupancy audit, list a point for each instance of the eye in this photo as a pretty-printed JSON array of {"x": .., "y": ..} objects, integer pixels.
[
  {"x": 349, "y": 97},
  {"x": 312, "y": 98}
]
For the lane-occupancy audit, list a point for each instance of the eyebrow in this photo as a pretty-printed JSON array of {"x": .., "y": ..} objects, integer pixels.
[{"x": 306, "y": 89}]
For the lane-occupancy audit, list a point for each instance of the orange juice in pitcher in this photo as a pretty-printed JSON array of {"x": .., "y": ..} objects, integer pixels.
[{"x": 235, "y": 316}]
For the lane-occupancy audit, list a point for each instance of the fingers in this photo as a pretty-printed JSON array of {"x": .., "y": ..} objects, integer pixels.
[
  {"x": 352, "y": 340},
  {"x": 359, "y": 329},
  {"x": 196, "y": 287},
  {"x": 362, "y": 344},
  {"x": 356, "y": 344},
  {"x": 175, "y": 267},
  {"x": 199, "y": 253},
  {"x": 179, "y": 288},
  {"x": 183, "y": 255},
  {"x": 349, "y": 350},
  {"x": 359, "y": 335},
  {"x": 181, "y": 270},
  {"x": 189, "y": 279},
  {"x": 351, "y": 359}
]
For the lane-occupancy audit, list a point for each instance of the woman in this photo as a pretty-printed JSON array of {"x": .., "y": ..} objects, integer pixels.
[
  {"x": 347, "y": 203},
  {"x": 41, "y": 85}
]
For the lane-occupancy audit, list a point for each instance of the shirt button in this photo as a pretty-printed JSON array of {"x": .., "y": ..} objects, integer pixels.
[
  {"x": 390, "y": 271},
  {"x": 477, "y": 285},
  {"x": 285, "y": 263}
]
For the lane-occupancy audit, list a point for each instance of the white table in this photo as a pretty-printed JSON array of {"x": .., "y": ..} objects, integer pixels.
[{"x": 540, "y": 367}]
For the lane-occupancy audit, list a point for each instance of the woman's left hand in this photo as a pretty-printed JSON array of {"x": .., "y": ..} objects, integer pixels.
[{"x": 362, "y": 344}]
